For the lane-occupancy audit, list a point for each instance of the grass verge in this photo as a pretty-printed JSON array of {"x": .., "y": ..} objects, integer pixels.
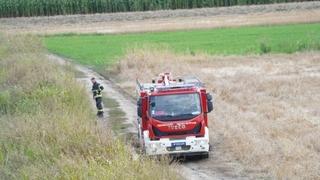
[
  {"x": 47, "y": 130},
  {"x": 97, "y": 50}
]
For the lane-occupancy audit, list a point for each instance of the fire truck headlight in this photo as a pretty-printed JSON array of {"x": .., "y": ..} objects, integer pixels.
[
  {"x": 155, "y": 146},
  {"x": 201, "y": 142}
]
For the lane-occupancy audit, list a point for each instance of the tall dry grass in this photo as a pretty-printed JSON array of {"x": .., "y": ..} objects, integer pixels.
[
  {"x": 47, "y": 129},
  {"x": 266, "y": 113}
]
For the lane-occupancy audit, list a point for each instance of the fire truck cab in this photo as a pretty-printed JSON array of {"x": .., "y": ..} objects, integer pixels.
[{"x": 172, "y": 116}]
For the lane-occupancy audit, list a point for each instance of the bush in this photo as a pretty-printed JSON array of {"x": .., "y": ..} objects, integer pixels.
[{"x": 264, "y": 48}]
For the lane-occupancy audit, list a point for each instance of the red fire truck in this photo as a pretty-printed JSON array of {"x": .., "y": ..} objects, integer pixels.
[{"x": 172, "y": 116}]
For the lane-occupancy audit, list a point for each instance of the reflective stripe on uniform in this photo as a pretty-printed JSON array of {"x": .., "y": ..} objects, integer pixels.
[{"x": 98, "y": 95}]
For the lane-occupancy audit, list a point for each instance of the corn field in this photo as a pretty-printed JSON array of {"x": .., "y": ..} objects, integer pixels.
[{"x": 18, "y": 8}]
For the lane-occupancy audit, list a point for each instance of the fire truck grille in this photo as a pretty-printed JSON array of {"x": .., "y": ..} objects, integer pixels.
[{"x": 159, "y": 133}]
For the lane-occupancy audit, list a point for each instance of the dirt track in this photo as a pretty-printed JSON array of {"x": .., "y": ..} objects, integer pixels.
[{"x": 305, "y": 12}]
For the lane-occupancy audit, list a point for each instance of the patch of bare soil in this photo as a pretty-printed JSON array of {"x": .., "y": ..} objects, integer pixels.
[
  {"x": 304, "y": 12},
  {"x": 266, "y": 122}
]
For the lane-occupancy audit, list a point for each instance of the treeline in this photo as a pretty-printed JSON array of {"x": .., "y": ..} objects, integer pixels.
[{"x": 18, "y": 8}]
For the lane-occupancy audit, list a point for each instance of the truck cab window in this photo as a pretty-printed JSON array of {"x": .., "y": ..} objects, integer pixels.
[{"x": 175, "y": 107}]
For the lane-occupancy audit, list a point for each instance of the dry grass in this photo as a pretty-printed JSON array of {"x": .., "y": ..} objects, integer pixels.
[
  {"x": 47, "y": 129},
  {"x": 266, "y": 107}
]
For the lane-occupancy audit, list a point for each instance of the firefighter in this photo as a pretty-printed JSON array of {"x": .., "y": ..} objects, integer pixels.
[{"x": 97, "y": 96}]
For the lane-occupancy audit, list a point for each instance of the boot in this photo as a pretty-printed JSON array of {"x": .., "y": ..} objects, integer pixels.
[{"x": 100, "y": 114}]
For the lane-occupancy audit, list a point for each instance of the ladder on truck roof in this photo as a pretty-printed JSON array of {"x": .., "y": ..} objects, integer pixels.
[{"x": 183, "y": 82}]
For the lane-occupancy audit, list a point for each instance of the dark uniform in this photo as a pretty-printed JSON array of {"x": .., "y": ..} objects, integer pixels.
[{"x": 96, "y": 90}]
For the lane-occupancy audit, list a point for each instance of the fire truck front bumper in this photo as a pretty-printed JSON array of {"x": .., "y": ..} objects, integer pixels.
[{"x": 189, "y": 146}]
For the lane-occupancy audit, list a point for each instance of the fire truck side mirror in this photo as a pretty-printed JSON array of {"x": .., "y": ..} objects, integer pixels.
[
  {"x": 209, "y": 102},
  {"x": 209, "y": 97},
  {"x": 210, "y": 106},
  {"x": 139, "y": 107}
]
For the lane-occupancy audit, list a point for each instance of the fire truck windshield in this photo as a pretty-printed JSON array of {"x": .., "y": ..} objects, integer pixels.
[{"x": 175, "y": 107}]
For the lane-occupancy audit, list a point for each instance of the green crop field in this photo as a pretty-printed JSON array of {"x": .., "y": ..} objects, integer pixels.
[
  {"x": 17, "y": 8},
  {"x": 100, "y": 50}
]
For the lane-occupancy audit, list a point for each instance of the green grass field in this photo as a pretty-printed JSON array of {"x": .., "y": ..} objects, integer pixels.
[{"x": 100, "y": 50}]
